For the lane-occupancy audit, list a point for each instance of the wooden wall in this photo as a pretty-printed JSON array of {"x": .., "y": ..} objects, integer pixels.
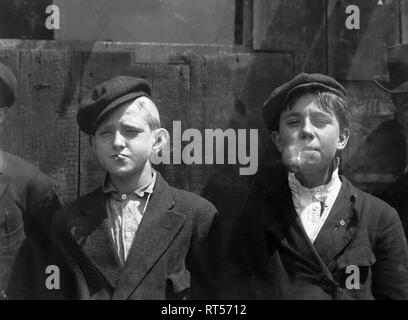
[{"x": 204, "y": 87}]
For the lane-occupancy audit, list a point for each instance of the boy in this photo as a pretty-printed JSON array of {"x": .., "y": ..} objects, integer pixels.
[
  {"x": 135, "y": 237},
  {"x": 27, "y": 204},
  {"x": 308, "y": 233}
]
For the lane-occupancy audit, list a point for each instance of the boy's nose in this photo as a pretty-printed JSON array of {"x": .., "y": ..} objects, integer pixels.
[
  {"x": 307, "y": 130},
  {"x": 118, "y": 140}
]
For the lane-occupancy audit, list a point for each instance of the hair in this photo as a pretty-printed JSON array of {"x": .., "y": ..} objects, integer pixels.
[
  {"x": 150, "y": 112},
  {"x": 146, "y": 106},
  {"x": 328, "y": 101}
]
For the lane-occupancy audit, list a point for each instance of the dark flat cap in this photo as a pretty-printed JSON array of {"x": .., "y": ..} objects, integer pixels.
[
  {"x": 8, "y": 85},
  {"x": 108, "y": 96},
  {"x": 279, "y": 97}
]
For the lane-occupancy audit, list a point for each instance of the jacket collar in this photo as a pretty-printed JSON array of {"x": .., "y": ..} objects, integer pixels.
[
  {"x": 4, "y": 179},
  {"x": 159, "y": 226},
  {"x": 341, "y": 224}
]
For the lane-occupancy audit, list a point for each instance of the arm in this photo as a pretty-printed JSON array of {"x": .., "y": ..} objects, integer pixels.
[
  {"x": 27, "y": 280},
  {"x": 390, "y": 272},
  {"x": 204, "y": 255}
]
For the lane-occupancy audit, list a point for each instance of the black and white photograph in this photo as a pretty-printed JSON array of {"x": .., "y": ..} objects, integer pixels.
[{"x": 220, "y": 151}]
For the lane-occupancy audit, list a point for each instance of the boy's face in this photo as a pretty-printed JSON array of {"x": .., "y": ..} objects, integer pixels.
[
  {"x": 308, "y": 137},
  {"x": 123, "y": 141}
]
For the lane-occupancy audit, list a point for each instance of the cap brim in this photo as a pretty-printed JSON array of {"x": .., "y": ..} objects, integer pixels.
[
  {"x": 116, "y": 103},
  {"x": 383, "y": 82},
  {"x": 311, "y": 85}
]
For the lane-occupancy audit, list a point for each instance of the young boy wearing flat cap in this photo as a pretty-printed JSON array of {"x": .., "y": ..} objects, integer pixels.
[
  {"x": 27, "y": 204},
  {"x": 308, "y": 233},
  {"x": 135, "y": 237}
]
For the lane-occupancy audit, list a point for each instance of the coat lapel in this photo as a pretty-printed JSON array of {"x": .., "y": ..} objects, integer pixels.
[
  {"x": 340, "y": 226},
  {"x": 156, "y": 231},
  {"x": 285, "y": 226},
  {"x": 92, "y": 234},
  {"x": 4, "y": 180}
]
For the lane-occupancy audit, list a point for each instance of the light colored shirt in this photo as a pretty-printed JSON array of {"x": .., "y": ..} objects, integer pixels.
[
  {"x": 125, "y": 212},
  {"x": 313, "y": 205}
]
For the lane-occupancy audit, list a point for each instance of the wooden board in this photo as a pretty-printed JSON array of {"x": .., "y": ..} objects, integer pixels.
[
  {"x": 24, "y": 19},
  {"x": 370, "y": 106},
  {"x": 297, "y": 26},
  {"x": 171, "y": 21},
  {"x": 228, "y": 93},
  {"x": 404, "y": 21},
  {"x": 41, "y": 127},
  {"x": 360, "y": 54}
]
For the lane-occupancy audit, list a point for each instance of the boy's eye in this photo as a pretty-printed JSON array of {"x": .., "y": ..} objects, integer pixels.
[
  {"x": 104, "y": 133},
  {"x": 293, "y": 122},
  {"x": 320, "y": 122},
  {"x": 132, "y": 131}
]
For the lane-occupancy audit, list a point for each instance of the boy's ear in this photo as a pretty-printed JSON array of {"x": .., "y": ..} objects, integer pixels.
[
  {"x": 343, "y": 139},
  {"x": 276, "y": 140},
  {"x": 3, "y": 114},
  {"x": 161, "y": 136}
]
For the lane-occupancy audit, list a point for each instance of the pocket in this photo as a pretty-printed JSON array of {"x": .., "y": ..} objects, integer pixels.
[
  {"x": 12, "y": 240},
  {"x": 180, "y": 281},
  {"x": 361, "y": 256}
]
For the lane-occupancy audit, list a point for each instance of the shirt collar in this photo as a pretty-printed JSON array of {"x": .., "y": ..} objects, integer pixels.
[
  {"x": 109, "y": 188},
  {"x": 318, "y": 192}
]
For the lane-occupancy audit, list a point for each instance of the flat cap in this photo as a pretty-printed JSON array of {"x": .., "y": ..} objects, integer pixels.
[
  {"x": 8, "y": 85},
  {"x": 108, "y": 96},
  {"x": 274, "y": 105}
]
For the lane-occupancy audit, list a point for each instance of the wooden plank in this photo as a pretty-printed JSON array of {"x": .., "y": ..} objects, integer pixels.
[
  {"x": 172, "y": 21},
  {"x": 41, "y": 126},
  {"x": 171, "y": 92},
  {"x": 24, "y": 19},
  {"x": 404, "y": 21},
  {"x": 170, "y": 87},
  {"x": 359, "y": 54},
  {"x": 228, "y": 93},
  {"x": 248, "y": 23},
  {"x": 370, "y": 106},
  {"x": 297, "y": 26},
  {"x": 144, "y": 52}
]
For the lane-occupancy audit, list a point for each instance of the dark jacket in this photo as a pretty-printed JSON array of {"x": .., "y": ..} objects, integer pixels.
[
  {"x": 27, "y": 204},
  {"x": 169, "y": 259},
  {"x": 274, "y": 258}
]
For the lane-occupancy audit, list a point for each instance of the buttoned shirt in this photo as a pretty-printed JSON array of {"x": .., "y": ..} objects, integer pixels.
[
  {"x": 125, "y": 212},
  {"x": 313, "y": 205}
]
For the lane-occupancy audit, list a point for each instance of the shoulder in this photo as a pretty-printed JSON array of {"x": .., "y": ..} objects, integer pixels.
[
  {"x": 21, "y": 170},
  {"x": 26, "y": 177},
  {"x": 73, "y": 210},
  {"x": 377, "y": 210}
]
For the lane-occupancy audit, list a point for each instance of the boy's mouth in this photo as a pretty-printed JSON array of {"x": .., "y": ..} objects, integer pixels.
[{"x": 118, "y": 157}]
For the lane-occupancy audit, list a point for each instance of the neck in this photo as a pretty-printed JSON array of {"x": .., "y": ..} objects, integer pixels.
[
  {"x": 314, "y": 179},
  {"x": 128, "y": 184}
]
